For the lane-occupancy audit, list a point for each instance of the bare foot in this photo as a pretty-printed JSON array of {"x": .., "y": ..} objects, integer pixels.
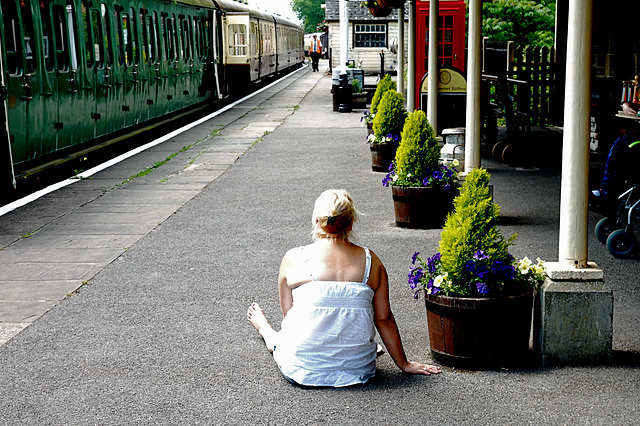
[{"x": 256, "y": 317}]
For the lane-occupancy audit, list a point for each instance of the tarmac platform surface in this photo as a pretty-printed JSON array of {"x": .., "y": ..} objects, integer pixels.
[{"x": 123, "y": 297}]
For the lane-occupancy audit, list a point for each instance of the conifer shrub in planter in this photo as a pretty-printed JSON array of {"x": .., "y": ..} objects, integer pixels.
[
  {"x": 422, "y": 188},
  {"x": 479, "y": 299},
  {"x": 383, "y": 85},
  {"x": 387, "y": 126}
]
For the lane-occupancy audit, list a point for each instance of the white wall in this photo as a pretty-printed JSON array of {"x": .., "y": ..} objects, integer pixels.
[{"x": 370, "y": 56}]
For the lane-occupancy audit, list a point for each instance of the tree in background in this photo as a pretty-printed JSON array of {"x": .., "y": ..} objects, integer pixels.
[
  {"x": 309, "y": 12},
  {"x": 526, "y": 22}
]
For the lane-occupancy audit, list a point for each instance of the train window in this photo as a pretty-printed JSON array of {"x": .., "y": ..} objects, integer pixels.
[
  {"x": 127, "y": 50},
  {"x": 163, "y": 20},
  {"x": 27, "y": 31},
  {"x": 154, "y": 42},
  {"x": 72, "y": 36},
  {"x": 11, "y": 35},
  {"x": 370, "y": 35},
  {"x": 105, "y": 36},
  {"x": 237, "y": 40},
  {"x": 118, "y": 16},
  {"x": 47, "y": 35},
  {"x": 173, "y": 35},
  {"x": 97, "y": 47},
  {"x": 184, "y": 37},
  {"x": 253, "y": 48},
  {"x": 144, "y": 49},
  {"x": 188, "y": 35},
  {"x": 134, "y": 36},
  {"x": 86, "y": 26},
  {"x": 197, "y": 31},
  {"x": 59, "y": 22},
  {"x": 204, "y": 38}
]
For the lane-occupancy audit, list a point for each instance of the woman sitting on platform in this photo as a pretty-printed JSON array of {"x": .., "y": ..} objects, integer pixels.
[{"x": 333, "y": 295}]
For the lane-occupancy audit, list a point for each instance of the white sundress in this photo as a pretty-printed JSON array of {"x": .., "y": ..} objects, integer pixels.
[{"x": 327, "y": 337}]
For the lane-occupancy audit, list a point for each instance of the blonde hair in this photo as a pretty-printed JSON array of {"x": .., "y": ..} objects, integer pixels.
[{"x": 334, "y": 215}]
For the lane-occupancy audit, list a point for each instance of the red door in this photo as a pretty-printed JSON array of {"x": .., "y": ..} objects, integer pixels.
[{"x": 451, "y": 33}]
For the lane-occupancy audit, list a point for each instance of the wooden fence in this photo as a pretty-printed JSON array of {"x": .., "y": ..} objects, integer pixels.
[{"x": 531, "y": 80}]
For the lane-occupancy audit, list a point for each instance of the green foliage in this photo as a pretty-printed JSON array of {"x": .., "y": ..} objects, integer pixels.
[
  {"x": 309, "y": 12},
  {"x": 526, "y": 22},
  {"x": 383, "y": 85},
  {"x": 473, "y": 226},
  {"x": 390, "y": 116},
  {"x": 355, "y": 86},
  {"x": 419, "y": 150}
]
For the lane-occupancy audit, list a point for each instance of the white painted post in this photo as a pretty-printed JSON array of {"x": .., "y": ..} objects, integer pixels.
[
  {"x": 344, "y": 35},
  {"x": 411, "y": 68},
  {"x": 400, "y": 56},
  {"x": 432, "y": 82},
  {"x": 575, "y": 151},
  {"x": 473, "y": 119}
]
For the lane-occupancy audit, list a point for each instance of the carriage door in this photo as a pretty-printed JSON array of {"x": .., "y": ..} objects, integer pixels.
[
  {"x": 24, "y": 106},
  {"x": 7, "y": 179},
  {"x": 451, "y": 38},
  {"x": 73, "y": 122},
  {"x": 131, "y": 105},
  {"x": 103, "y": 82}
]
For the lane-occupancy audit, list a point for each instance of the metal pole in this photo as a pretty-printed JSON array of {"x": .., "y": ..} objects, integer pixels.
[
  {"x": 473, "y": 120},
  {"x": 411, "y": 68},
  {"x": 432, "y": 82},
  {"x": 401, "y": 50},
  {"x": 575, "y": 151},
  {"x": 344, "y": 35}
]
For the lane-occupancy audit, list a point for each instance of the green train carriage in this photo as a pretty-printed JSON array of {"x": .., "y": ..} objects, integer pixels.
[{"x": 78, "y": 70}]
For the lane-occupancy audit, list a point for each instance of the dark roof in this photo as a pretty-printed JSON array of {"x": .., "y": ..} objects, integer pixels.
[{"x": 357, "y": 13}]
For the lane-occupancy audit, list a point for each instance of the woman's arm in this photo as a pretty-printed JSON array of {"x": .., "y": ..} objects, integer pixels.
[
  {"x": 386, "y": 324},
  {"x": 286, "y": 297}
]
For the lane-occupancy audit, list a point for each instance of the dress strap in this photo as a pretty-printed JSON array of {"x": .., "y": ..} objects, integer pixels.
[{"x": 367, "y": 268}]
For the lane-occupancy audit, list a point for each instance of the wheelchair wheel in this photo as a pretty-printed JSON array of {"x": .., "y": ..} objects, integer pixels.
[
  {"x": 620, "y": 243},
  {"x": 604, "y": 228}
]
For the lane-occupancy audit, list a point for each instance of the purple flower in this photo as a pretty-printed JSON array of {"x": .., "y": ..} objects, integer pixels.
[
  {"x": 425, "y": 181},
  {"x": 415, "y": 274},
  {"x": 415, "y": 257},
  {"x": 432, "y": 262},
  {"x": 387, "y": 179},
  {"x": 447, "y": 186},
  {"x": 482, "y": 288},
  {"x": 479, "y": 255},
  {"x": 437, "y": 175}
]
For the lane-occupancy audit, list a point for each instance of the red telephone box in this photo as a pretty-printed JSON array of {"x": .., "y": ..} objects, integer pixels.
[{"x": 451, "y": 33}]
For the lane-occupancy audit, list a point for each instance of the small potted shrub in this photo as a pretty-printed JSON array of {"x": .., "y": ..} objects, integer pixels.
[
  {"x": 358, "y": 96},
  {"x": 387, "y": 126},
  {"x": 383, "y": 85},
  {"x": 422, "y": 188},
  {"x": 479, "y": 299}
]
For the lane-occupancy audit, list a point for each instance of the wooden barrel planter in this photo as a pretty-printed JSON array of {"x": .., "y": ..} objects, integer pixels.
[
  {"x": 479, "y": 333},
  {"x": 382, "y": 155},
  {"x": 422, "y": 207}
]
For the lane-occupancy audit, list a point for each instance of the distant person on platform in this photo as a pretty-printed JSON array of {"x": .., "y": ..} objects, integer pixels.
[
  {"x": 334, "y": 294},
  {"x": 315, "y": 51}
]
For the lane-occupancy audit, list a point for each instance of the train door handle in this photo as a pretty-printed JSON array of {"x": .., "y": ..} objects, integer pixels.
[
  {"x": 134, "y": 74},
  {"x": 72, "y": 83},
  {"x": 107, "y": 76},
  {"x": 26, "y": 86}
]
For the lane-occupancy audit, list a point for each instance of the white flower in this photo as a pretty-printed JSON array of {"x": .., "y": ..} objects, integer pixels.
[
  {"x": 524, "y": 264},
  {"x": 455, "y": 163},
  {"x": 371, "y": 138},
  {"x": 439, "y": 280}
]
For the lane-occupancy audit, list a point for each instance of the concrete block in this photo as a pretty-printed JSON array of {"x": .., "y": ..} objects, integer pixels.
[{"x": 573, "y": 322}]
